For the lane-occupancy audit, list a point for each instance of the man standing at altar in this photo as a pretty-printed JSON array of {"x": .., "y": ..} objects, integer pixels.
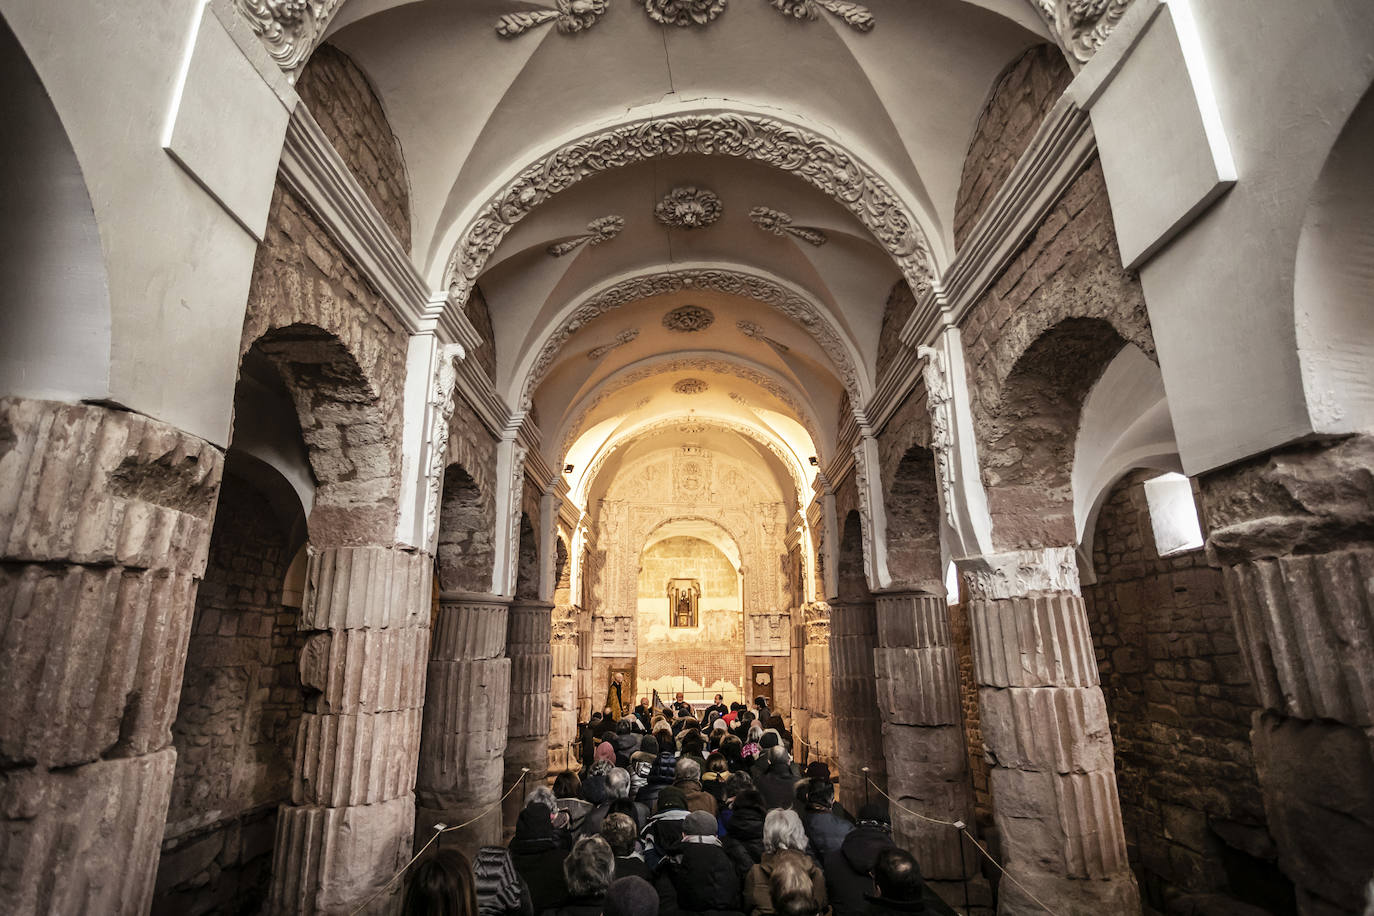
[{"x": 615, "y": 699}]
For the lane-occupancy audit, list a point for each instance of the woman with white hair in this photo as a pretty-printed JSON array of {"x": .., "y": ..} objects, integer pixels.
[{"x": 784, "y": 846}]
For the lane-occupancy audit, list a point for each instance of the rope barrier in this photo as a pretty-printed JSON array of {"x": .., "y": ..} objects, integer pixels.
[
  {"x": 963, "y": 829},
  {"x": 440, "y": 830}
]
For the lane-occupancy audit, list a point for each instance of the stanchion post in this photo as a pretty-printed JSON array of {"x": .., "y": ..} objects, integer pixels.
[
  {"x": 866, "y": 782},
  {"x": 963, "y": 869}
]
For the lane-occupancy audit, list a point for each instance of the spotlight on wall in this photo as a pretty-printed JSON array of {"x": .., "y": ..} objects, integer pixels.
[
  {"x": 567, "y": 469},
  {"x": 814, "y": 462}
]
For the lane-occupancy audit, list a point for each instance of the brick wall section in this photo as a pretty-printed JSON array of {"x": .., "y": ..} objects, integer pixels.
[
  {"x": 1180, "y": 705},
  {"x": 347, "y": 381},
  {"x": 480, "y": 316},
  {"x": 1022, "y": 97},
  {"x": 962, "y": 634},
  {"x": 235, "y": 729},
  {"x": 351, "y": 116}
]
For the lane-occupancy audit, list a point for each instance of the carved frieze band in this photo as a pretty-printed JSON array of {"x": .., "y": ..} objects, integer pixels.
[
  {"x": 573, "y": 16},
  {"x": 939, "y": 404},
  {"x": 570, "y": 17},
  {"x": 289, "y": 28},
  {"x": 809, "y": 156}
]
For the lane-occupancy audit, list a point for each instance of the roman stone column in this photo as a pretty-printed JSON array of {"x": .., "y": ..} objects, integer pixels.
[
  {"x": 528, "y": 641},
  {"x": 350, "y": 822},
  {"x": 858, "y": 724},
  {"x": 105, "y": 519},
  {"x": 820, "y": 725},
  {"x": 923, "y": 739},
  {"x": 1294, "y": 533},
  {"x": 466, "y": 708},
  {"x": 1047, "y": 738},
  {"x": 563, "y": 654}
]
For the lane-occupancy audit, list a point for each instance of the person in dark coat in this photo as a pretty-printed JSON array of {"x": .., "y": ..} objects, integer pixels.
[
  {"x": 849, "y": 869},
  {"x": 901, "y": 889},
  {"x": 777, "y": 785},
  {"x": 744, "y": 831},
  {"x": 661, "y": 775},
  {"x": 587, "y": 872},
  {"x": 663, "y": 834},
  {"x": 714, "y": 777},
  {"x": 538, "y": 857},
  {"x": 631, "y": 897},
  {"x": 500, "y": 889},
  {"x": 825, "y": 829},
  {"x": 699, "y": 878}
]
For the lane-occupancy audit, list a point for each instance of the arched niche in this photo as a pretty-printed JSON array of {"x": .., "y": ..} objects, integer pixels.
[
  {"x": 55, "y": 317},
  {"x": 466, "y": 548}
]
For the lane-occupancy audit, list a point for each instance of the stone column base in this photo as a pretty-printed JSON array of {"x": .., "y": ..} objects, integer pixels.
[{"x": 328, "y": 860}]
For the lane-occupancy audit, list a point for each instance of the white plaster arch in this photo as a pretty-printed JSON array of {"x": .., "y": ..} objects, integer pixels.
[
  {"x": 781, "y": 450},
  {"x": 787, "y": 298},
  {"x": 690, "y": 526},
  {"x": 710, "y": 127},
  {"x": 715, "y": 361}
]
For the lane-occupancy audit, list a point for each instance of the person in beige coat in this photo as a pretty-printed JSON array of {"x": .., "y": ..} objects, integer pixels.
[{"x": 784, "y": 849}]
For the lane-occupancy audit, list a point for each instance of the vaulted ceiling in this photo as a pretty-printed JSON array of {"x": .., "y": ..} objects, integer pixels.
[{"x": 621, "y": 301}]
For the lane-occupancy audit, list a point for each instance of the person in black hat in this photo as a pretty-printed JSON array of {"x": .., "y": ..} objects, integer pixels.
[
  {"x": 538, "y": 857},
  {"x": 632, "y": 896}
]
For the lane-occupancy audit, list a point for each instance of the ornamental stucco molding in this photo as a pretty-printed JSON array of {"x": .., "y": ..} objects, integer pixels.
[
  {"x": 854, "y": 15},
  {"x": 1082, "y": 26},
  {"x": 688, "y": 208},
  {"x": 629, "y": 335},
  {"x": 796, "y": 150},
  {"x": 688, "y": 319},
  {"x": 516, "y": 500},
  {"x": 599, "y": 230},
  {"x": 441, "y": 404},
  {"x": 720, "y": 280},
  {"x": 939, "y": 404},
  {"x": 1021, "y": 573},
  {"x": 779, "y": 223},
  {"x": 684, "y": 12},
  {"x": 690, "y": 386},
  {"x": 289, "y": 29},
  {"x": 570, "y": 17},
  {"x": 756, "y": 332}
]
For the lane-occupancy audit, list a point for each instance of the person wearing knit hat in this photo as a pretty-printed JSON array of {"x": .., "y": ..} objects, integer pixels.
[
  {"x": 699, "y": 877},
  {"x": 662, "y": 835},
  {"x": 632, "y": 896},
  {"x": 538, "y": 857}
]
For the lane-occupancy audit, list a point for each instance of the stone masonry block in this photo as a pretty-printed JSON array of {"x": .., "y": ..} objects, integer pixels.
[
  {"x": 1032, "y": 642},
  {"x": 355, "y": 760},
  {"x": 1048, "y": 729},
  {"x": 366, "y": 671},
  {"x": 912, "y": 621},
  {"x": 469, "y": 629},
  {"x": 366, "y": 587},
  {"x": 918, "y": 686}
]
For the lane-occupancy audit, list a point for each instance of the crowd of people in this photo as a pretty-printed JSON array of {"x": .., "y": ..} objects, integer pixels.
[{"x": 679, "y": 812}]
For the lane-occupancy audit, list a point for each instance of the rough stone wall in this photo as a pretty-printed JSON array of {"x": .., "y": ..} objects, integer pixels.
[
  {"x": 900, "y": 302},
  {"x": 1180, "y": 703},
  {"x": 1022, "y": 97},
  {"x": 351, "y": 116},
  {"x": 342, "y": 355},
  {"x": 1036, "y": 342},
  {"x": 962, "y": 633},
  {"x": 465, "y": 549},
  {"x": 235, "y": 729},
  {"x": 480, "y": 316}
]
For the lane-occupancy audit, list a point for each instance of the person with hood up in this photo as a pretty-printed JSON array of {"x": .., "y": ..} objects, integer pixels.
[
  {"x": 778, "y": 784},
  {"x": 899, "y": 888},
  {"x": 825, "y": 829},
  {"x": 784, "y": 841},
  {"x": 744, "y": 831},
  {"x": 688, "y": 773},
  {"x": 699, "y": 877},
  {"x": 663, "y": 834},
  {"x": 538, "y": 857},
  {"x": 587, "y": 872},
  {"x": 849, "y": 869}
]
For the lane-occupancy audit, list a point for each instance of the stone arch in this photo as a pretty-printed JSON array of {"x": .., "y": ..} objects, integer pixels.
[
  {"x": 790, "y": 147},
  {"x": 527, "y": 560},
  {"x": 913, "y": 523},
  {"x": 347, "y": 435},
  {"x": 55, "y": 324},
  {"x": 1332, "y": 279},
  {"x": 346, "y": 106},
  {"x": 1026, "y": 444},
  {"x": 466, "y": 550}
]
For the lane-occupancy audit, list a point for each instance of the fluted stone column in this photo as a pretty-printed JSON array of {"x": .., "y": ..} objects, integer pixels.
[
  {"x": 105, "y": 519},
  {"x": 1049, "y": 745},
  {"x": 923, "y": 738},
  {"x": 528, "y": 640},
  {"x": 858, "y": 724},
  {"x": 1294, "y": 533},
  {"x": 350, "y": 822},
  {"x": 820, "y": 723},
  {"x": 466, "y": 706},
  {"x": 563, "y": 688}
]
